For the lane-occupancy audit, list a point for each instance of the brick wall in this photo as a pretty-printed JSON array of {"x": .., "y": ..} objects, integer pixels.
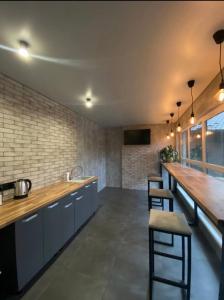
[
  {"x": 114, "y": 141},
  {"x": 42, "y": 140},
  {"x": 128, "y": 166},
  {"x": 139, "y": 161}
]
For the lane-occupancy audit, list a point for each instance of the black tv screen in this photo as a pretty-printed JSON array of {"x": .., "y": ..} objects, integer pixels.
[{"x": 137, "y": 137}]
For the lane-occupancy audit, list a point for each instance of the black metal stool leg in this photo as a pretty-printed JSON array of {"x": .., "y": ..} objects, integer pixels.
[
  {"x": 171, "y": 209},
  {"x": 183, "y": 261},
  {"x": 151, "y": 263},
  {"x": 149, "y": 203},
  {"x": 189, "y": 268},
  {"x": 170, "y": 204}
]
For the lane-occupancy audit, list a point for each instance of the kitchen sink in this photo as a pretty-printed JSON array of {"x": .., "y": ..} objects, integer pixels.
[{"x": 81, "y": 178}]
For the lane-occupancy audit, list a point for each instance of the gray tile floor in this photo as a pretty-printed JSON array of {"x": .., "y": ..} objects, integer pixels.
[{"x": 108, "y": 260}]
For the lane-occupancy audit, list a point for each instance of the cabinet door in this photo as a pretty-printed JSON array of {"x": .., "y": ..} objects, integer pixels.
[
  {"x": 53, "y": 237},
  {"x": 68, "y": 220},
  {"x": 73, "y": 197},
  {"x": 94, "y": 196},
  {"x": 79, "y": 211},
  {"x": 88, "y": 201},
  {"x": 29, "y": 247}
]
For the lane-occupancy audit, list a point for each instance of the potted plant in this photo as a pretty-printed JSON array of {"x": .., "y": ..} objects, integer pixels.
[{"x": 168, "y": 154}]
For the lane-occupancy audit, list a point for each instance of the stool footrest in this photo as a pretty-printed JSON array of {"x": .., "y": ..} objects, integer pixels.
[
  {"x": 180, "y": 284},
  {"x": 168, "y": 255}
]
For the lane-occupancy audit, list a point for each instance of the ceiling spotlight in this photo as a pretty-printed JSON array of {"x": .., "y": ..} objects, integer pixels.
[
  {"x": 89, "y": 102},
  {"x": 219, "y": 39},
  {"x": 23, "y": 48}
]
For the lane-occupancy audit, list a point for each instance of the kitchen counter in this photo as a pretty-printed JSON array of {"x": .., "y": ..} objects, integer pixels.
[{"x": 13, "y": 210}]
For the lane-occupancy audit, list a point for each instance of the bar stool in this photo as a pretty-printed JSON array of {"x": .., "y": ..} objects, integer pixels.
[
  {"x": 175, "y": 224},
  {"x": 161, "y": 194},
  {"x": 159, "y": 180}
]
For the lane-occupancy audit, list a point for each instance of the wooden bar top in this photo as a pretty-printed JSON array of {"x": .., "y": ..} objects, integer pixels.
[
  {"x": 206, "y": 191},
  {"x": 14, "y": 210}
]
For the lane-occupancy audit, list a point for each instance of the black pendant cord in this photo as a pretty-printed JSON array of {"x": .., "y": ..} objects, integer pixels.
[{"x": 220, "y": 61}]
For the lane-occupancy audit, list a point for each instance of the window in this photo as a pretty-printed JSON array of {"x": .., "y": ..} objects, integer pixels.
[
  {"x": 197, "y": 167},
  {"x": 184, "y": 148},
  {"x": 215, "y": 140},
  {"x": 216, "y": 174},
  {"x": 196, "y": 142},
  {"x": 202, "y": 146}
]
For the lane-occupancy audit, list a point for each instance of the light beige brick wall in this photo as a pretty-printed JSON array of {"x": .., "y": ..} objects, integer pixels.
[
  {"x": 114, "y": 141},
  {"x": 139, "y": 161},
  {"x": 42, "y": 140},
  {"x": 128, "y": 166}
]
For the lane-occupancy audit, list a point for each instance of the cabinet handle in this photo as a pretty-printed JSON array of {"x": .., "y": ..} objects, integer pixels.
[
  {"x": 29, "y": 218},
  {"x": 79, "y": 198},
  {"x": 53, "y": 205},
  {"x": 66, "y": 206},
  {"x": 0, "y": 272},
  {"x": 87, "y": 186},
  {"x": 73, "y": 194}
]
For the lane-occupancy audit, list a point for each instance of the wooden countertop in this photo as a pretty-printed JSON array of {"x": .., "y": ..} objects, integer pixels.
[
  {"x": 14, "y": 210},
  {"x": 206, "y": 191}
]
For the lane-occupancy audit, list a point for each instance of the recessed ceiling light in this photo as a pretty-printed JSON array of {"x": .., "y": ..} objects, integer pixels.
[
  {"x": 23, "y": 48},
  {"x": 89, "y": 102}
]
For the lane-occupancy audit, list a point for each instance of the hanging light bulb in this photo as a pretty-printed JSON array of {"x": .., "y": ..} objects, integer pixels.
[
  {"x": 219, "y": 39},
  {"x": 89, "y": 103},
  {"x": 190, "y": 84},
  {"x": 23, "y": 49},
  {"x": 168, "y": 135},
  {"x": 221, "y": 92},
  {"x": 178, "y": 108},
  {"x": 171, "y": 121}
]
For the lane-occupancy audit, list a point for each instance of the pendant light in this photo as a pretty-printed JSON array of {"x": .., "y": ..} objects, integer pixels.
[
  {"x": 171, "y": 121},
  {"x": 178, "y": 111},
  {"x": 190, "y": 84},
  {"x": 219, "y": 39},
  {"x": 89, "y": 103},
  {"x": 168, "y": 135},
  {"x": 24, "y": 49}
]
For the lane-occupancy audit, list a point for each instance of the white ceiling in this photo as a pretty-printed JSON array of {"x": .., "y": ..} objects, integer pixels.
[{"x": 134, "y": 58}]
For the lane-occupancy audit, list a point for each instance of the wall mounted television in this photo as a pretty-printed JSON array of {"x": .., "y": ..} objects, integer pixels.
[{"x": 137, "y": 137}]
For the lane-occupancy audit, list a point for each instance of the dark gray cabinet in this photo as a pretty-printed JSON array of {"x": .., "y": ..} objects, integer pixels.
[
  {"x": 68, "y": 220},
  {"x": 88, "y": 201},
  {"x": 79, "y": 209},
  {"x": 95, "y": 202},
  {"x": 29, "y": 247},
  {"x": 28, "y": 244},
  {"x": 21, "y": 252},
  {"x": 52, "y": 224}
]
